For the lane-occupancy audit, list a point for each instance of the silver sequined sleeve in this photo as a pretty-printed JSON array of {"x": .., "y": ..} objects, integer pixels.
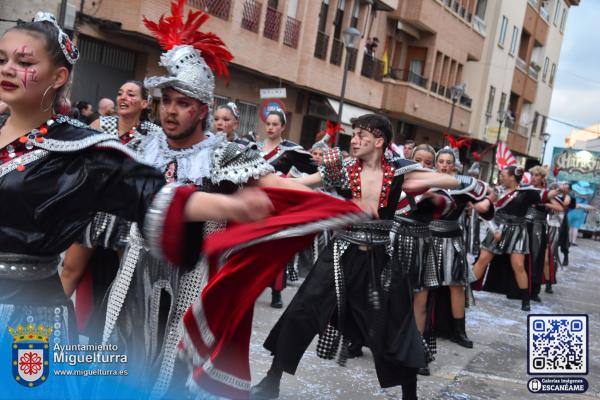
[{"x": 333, "y": 171}]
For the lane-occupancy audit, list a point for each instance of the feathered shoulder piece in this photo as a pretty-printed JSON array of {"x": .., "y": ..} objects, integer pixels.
[{"x": 172, "y": 31}]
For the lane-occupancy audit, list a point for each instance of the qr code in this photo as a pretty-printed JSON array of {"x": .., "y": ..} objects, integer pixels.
[{"x": 557, "y": 344}]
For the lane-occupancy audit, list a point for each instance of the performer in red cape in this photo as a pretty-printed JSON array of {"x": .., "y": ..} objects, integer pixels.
[{"x": 218, "y": 325}]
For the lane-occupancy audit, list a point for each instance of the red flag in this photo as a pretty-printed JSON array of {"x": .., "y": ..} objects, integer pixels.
[{"x": 504, "y": 157}]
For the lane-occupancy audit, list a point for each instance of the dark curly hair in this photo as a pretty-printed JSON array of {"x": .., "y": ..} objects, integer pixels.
[
  {"x": 377, "y": 124},
  {"x": 515, "y": 171}
]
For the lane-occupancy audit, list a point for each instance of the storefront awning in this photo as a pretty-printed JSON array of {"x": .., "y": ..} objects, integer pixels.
[{"x": 349, "y": 112}]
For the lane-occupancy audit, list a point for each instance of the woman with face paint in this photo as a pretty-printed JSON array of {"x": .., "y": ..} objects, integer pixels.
[
  {"x": 225, "y": 121},
  {"x": 451, "y": 255},
  {"x": 56, "y": 174},
  {"x": 507, "y": 233},
  {"x": 130, "y": 126},
  {"x": 286, "y": 157}
]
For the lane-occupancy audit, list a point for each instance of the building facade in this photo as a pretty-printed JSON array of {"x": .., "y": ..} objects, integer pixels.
[
  {"x": 517, "y": 73},
  {"x": 502, "y": 53}
]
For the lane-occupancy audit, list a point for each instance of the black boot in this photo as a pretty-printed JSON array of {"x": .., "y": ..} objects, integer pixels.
[
  {"x": 424, "y": 371},
  {"x": 268, "y": 388},
  {"x": 409, "y": 391},
  {"x": 276, "y": 301},
  {"x": 460, "y": 335},
  {"x": 549, "y": 288},
  {"x": 525, "y": 300},
  {"x": 355, "y": 350}
]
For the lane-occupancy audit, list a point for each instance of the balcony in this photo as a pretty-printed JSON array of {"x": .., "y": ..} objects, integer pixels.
[
  {"x": 533, "y": 3},
  {"x": 405, "y": 100},
  {"x": 408, "y": 76},
  {"x": 517, "y": 141},
  {"x": 534, "y": 71},
  {"x": 479, "y": 25},
  {"x": 521, "y": 64},
  {"x": 466, "y": 101},
  {"x": 251, "y": 15},
  {"x": 217, "y": 8},
  {"x": 292, "y": 32},
  {"x": 337, "y": 51},
  {"x": 545, "y": 14},
  {"x": 372, "y": 68},
  {"x": 321, "y": 45},
  {"x": 272, "y": 24}
]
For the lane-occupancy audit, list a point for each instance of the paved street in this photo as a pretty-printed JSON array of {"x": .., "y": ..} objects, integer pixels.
[{"x": 494, "y": 369}]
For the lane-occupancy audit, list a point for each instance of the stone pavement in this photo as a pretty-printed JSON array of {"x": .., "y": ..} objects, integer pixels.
[{"x": 494, "y": 369}]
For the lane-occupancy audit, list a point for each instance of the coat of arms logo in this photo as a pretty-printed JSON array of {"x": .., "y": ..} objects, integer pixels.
[{"x": 30, "y": 354}]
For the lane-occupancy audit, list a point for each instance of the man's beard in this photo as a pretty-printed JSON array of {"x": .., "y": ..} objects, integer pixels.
[{"x": 182, "y": 135}]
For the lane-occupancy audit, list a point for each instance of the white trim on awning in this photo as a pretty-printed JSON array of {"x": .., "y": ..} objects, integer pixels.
[{"x": 349, "y": 112}]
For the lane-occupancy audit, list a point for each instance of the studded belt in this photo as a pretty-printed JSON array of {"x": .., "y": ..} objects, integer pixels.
[
  {"x": 536, "y": 215},
  {"x": 506, "y": 219},
  {"x": 445, "y": 228},
  {"x": 409, "y": 227},
  {"x": 368, "y": 233},
  {"x": 27, "y": 267}
]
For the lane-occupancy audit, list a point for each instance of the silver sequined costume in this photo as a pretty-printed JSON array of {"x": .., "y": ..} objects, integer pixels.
[{"x": 149, "y": 297}]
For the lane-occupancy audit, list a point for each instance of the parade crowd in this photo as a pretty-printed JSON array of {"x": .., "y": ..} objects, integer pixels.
[{"x": 168, "y": 227}]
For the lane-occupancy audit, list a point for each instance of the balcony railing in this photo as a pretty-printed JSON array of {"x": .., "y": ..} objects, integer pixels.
[
  {"x": 466, "y": 101},
  {"x": 545, "y": 14},
  {"x": 292, "y": 32},
  {"x": 533, "y": 3},
  {"x": 521, "y": 64},
  {"x": 321, "y": 45},
  {"x": 441, "y": 90},
  {"x": 353, "y": 54},
  {"x": 479, "y": 25},
  {"x": 372, "y": 68},
  {"x": 434, "y": 87},
  {"x": 218, "y": 8},
  {"x": 251, "y": 15},
  {"x": 272, "y": 24},
  {"x": 337, "y": 51},
  {"x": 408, "y": 76},
  {"x": 534, "y": 72}
]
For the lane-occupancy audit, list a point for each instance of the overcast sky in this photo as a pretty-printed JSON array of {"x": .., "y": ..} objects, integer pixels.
[{"x": 576, "y": 97}]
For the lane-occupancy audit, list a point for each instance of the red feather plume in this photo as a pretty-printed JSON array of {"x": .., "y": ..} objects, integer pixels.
[
  {"x": 172, "y": 31},
  {"x": 457, "y": 143}
]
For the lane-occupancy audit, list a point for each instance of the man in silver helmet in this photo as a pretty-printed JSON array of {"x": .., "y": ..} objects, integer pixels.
[{"x": 145, "y": 308}]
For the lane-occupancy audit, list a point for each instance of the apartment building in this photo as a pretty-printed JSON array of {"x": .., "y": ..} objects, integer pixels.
[
  {"x": 440, "y": 66},
  {"x": 516, "y": 74}
]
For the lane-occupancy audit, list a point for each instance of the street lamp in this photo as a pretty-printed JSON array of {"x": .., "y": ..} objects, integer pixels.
[
  {"x": 350, "y": 38},
  {"x": 502, "y": 116},
  {"x": 456, "y": 92},
  {"x": 546, "y": 137}
]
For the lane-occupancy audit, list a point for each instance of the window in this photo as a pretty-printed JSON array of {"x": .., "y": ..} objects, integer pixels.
[
  {"x": 513, "y": 41},
  {"x": 338, "y": 19},
  {"x": 354, "y": 17},
  {"x": 248, "y": 117},
  {"x": 323, "y": 15},
  {"x": 545, "y": 71},
  {"x": 502, "y": 102},
  {"x": 480, "y": 10},
  {"x": 502, "y": 31},
  {"x": 563, "y": 20},
  {"x": 490, "y": 103},
  {"x": 535, "y": 123},
  {"x": 556, "y": 11},
  {"x": 552, "y": 72},
  {"x": 220, "y": 100}
]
